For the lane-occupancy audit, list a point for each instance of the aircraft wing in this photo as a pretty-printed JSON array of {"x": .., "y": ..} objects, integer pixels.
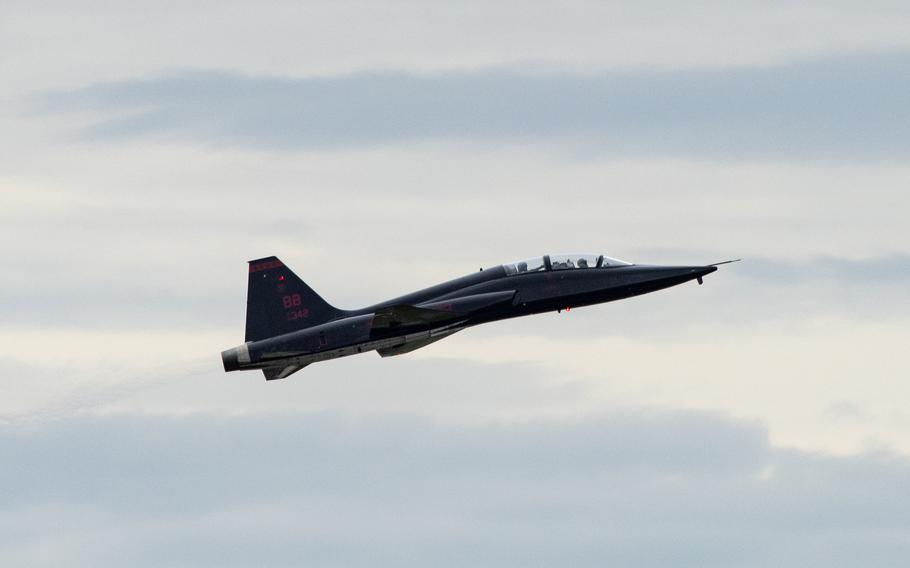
[
  {"x": 438, "y": 312},
  {"x": 469, "y": 304},
  {"x": 404, "y": 316},
  {"x": 412, "y": 345}
]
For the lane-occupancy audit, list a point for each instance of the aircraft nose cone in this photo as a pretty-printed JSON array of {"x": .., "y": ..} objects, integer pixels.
[
  {"x": 697, "y": 272},
  {"x": 689, "y": 272},
  {"x": 679, "y": 274}
]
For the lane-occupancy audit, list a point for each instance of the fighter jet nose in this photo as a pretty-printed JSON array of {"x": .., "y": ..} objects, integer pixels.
[
  {"x": 697, "y": 272},
  {"x": 692, "y": 271}
]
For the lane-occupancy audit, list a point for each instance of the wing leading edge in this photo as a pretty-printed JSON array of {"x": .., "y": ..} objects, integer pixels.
[{"x": 412, "y": 345}]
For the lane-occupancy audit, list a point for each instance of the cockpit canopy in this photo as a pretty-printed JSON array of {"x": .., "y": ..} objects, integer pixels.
[{"x": 563, "y": 262}]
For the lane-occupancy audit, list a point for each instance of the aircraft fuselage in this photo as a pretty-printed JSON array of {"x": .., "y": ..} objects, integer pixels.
[{"x": 414, "y": 320}]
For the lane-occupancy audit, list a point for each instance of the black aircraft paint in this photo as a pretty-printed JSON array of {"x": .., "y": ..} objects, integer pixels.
[{"x": 289, "y": 326}]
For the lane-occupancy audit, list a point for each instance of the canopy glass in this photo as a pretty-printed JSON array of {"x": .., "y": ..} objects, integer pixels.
[{"x": 563, "y": 262}]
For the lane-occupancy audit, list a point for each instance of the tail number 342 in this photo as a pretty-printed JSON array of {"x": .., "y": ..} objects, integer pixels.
[{"x": 292, "y": 301}]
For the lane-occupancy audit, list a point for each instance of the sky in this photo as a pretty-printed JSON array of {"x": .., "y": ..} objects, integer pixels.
[{"x": 148, "y": 151}]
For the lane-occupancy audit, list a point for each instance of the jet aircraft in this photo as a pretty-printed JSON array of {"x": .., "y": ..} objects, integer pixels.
[{"x": 289, "y": 326}]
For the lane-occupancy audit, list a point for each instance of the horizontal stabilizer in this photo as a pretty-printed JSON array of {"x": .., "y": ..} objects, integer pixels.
[{"x": 274, "y": 373}]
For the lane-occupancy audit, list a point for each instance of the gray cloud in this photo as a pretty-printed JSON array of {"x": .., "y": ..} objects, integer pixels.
[
  {"x": 357, "y": 386},
  {"x": 849, "y": 108},
  {"x": 129, "y": 206},
  {"x": 629, "y": 489}
]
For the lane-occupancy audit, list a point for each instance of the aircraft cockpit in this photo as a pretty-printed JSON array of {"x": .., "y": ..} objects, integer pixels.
[{"x": 563, "y": 262}]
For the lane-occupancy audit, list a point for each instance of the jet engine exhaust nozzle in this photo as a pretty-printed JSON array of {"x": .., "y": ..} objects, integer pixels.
[
  {"x": 229, "y": 359},
  {"x": 233, "y": 358}
]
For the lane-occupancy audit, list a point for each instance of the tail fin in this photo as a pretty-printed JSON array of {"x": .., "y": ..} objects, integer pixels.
[{"x": 278, "y": 301}]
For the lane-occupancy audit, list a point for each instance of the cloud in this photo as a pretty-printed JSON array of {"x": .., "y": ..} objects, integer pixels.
[
  {"x": 633, "y": 488},
  {"x": 127, "y": 208},
  {"x": 281, "y": 37},
  {"x": 845, "y": 108}
]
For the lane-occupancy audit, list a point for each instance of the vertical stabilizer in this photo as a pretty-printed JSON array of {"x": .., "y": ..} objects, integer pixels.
[{"x": 278, "y": 301}]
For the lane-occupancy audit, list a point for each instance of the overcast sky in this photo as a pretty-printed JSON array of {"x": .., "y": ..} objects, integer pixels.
[{"x": 146, "y": 153}]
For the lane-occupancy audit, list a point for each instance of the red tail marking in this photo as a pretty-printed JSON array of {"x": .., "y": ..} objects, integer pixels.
[{"x": 266, "y": 265}]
